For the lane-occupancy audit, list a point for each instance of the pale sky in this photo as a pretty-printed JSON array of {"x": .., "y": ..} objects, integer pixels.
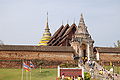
[{"x": 22, "y": 22}]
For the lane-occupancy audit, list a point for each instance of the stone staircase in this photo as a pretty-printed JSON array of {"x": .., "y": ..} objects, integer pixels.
[{"x": 96, "y": 74}]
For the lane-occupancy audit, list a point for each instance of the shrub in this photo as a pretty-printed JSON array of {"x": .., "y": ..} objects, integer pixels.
[{"x": 87, "y": 76}]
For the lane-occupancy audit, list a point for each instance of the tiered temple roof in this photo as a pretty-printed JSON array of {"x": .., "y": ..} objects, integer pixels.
[{"x": 63, "y": 36}]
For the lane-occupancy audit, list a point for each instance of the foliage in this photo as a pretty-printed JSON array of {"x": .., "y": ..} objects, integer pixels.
[
  {"x": 67, "y": 65},
  {"x": 116, "y": 68},
  {"x": 117, "y": 44},
  {"x": 63, "y": 79},
  {"x": 64, "y": 65},
  {"x": 38, "y": 63},
  {"x": 1, "y": 42},
  {"x": 87, "y": 76}
]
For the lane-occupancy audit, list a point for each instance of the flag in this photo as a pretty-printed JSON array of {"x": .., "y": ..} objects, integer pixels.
[
  {"x": 31, "y": 65},
  {"x": 110, "y": 63},
  {"x": 26, "y": 67}
]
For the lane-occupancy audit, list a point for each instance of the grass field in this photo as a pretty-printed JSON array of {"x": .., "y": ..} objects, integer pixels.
[
  {"x": 15, "y": 74},
  {"x": 45, "y": 74}
]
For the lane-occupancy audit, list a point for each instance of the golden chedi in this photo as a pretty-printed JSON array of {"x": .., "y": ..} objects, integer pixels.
[{"x": 46, "y": 35}]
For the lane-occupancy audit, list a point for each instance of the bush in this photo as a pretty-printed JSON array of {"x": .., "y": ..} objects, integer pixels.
[
  {"x": 87, "y": 76},
  {"x": 63, "y": 79}
]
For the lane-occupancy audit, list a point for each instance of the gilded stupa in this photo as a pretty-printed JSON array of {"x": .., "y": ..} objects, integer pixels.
[{"x": 46, "y": 35}]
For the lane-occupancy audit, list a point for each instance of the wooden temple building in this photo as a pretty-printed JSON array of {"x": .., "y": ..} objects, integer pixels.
[{"x": 66, "y": 44}]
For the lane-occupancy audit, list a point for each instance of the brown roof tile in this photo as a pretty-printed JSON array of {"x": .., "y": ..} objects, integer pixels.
[
  {"x": 59, "y": 36},
  {"x": 36, "y": 48},
  {"x": 56, "y": 34},
  {"x": 51, "y": 42},
  {"x": 62, "y": 34},
  {"x": 107, "y": 49},
  {"x": 56, "y": 41},
  {"x": 110, "y": 58},
  {"x": 63, "y": 39},
  {"x": 73, "y": 26},
  {"x": 63, "y": 31}
]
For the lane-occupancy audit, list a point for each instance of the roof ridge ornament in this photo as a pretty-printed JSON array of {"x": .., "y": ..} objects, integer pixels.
[
  {"x": 81, "y": 20},
  {"x": 62, "y": 22},
  {"x": 47, "y": 27},
  {"x": 74, "y": 21},
  {"x": 67, "y": 21}
]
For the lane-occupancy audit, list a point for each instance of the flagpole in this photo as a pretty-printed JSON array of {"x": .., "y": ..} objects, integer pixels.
[
  {"x": 31, "y": 66},
  {"x": 22, "y": 71},
  {"x": 26, "y": 75},
  {"x": 26, "y": 72},
  {"x": 30, "y": 70},
  {"x": 30, "y": 75}
]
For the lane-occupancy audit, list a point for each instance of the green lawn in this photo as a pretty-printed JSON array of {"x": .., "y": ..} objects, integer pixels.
[{"x": 15, "y": 74}]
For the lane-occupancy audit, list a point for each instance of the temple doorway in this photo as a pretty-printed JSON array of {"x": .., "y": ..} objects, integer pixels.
[{"x": 84, "y": 50}]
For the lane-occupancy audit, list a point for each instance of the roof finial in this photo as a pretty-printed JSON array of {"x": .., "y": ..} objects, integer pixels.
[
  {"x": 81, "y": 19},
  {"x": 81, "y": 15},
  {"x": 67, "y": 21},
  {"x": 47, "y": 27},
  {"x": 47, "y": 17},
  {"x": 74, "y": 21},
  {"x": 62, "y": 22}
]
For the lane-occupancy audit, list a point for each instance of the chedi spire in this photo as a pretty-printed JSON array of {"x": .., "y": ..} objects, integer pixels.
[{"x": 46, "y": 35}]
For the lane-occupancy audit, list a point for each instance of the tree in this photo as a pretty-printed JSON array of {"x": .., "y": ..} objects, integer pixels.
[
  {"x": 117, "y": 44},
  {"x": 1, "y": 42}
]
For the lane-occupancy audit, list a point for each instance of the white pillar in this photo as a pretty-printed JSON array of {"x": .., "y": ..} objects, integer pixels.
[
  {"x": 88, "y": 51},
  {"x": 58, "y": 71},
  {"x": 80, "y": 52},
  {"x": 98, "y": 56},
  {"x": 83, "y": 72}
]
